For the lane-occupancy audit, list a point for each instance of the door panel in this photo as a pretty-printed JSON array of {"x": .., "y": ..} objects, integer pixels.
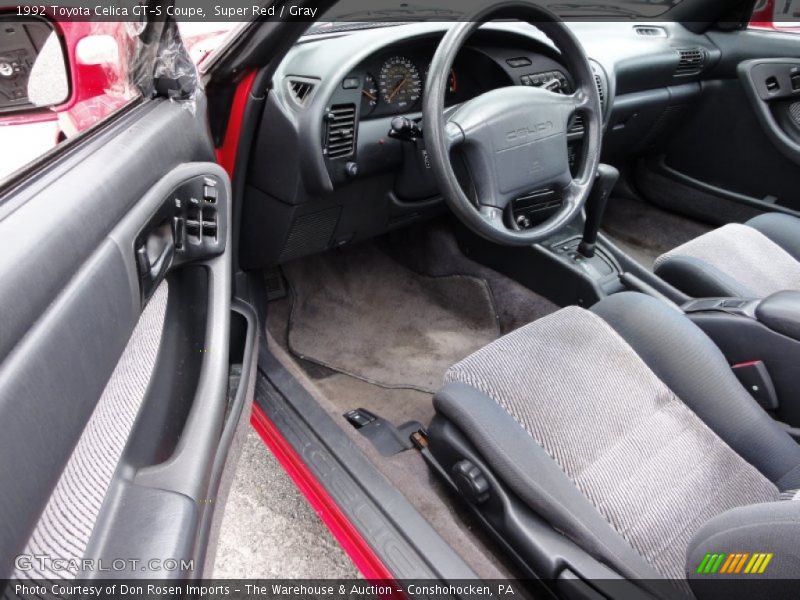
[
  {"x": 73, "y": 509},
  {"x": 724, "y": 155},
  {"x": 114, "y": 353},
  {"x": 773, "y": 88}
]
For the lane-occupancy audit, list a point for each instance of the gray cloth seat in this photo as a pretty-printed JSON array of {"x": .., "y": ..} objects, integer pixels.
[
  {"x": 753, "y": 260},
  {"x": 625, "y": 430}
]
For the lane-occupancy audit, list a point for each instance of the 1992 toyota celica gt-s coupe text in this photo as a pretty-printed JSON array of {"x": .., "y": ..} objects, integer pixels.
[{"x": 512, "y": 292}]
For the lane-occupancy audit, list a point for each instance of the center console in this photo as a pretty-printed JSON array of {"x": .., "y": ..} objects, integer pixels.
[
  {"x": 761, "y": 339},
  {"x": 578, "y": 265}
]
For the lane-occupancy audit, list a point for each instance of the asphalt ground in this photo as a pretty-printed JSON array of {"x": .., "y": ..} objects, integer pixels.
[{"x": 269, "y": 530}]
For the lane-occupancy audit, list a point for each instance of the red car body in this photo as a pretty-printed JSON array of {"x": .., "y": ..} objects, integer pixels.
[
  {"x": 94, "y": 88},
  {"x": 98, "y": 88},
  {"x": 764, "y": 18}
]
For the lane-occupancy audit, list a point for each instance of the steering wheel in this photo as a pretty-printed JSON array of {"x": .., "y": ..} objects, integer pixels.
[{"x": 514, "y": 139}]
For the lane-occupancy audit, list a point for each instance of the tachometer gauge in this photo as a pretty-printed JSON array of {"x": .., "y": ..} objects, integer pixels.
[
  {"x": 400, "y": 83},
  {"x": 369, "y": 95},
  {"x": 452, "y": 82}
]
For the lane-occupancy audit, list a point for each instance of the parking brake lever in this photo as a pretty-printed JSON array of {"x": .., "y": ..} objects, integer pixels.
[{"x": 605, "y": 180}]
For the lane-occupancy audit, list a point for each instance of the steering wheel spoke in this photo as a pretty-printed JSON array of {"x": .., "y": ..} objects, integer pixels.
[
  {"x": 453, "y": 135},
  {"x": 493, "y": 216},
  {"x": 579, "y": 100},
  {"x": 572, "y": 192}
]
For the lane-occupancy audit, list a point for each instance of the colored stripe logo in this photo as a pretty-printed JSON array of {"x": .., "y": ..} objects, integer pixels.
[{"x": 735, "y": 563}]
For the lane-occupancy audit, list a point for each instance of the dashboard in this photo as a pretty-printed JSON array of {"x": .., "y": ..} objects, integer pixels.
[
  {"x": 327, "y": 169},
  {"x": 357, "y": 140}
]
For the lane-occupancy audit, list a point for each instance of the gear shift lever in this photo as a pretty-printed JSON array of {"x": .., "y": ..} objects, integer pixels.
[{"x": 604, "y": 182}]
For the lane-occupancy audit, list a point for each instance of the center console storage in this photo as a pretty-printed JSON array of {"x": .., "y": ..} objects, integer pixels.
[{"x": 761, "y": 340}]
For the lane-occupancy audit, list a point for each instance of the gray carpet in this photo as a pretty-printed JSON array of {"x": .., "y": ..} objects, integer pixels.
[
  {"x": 359, "y": 312},
  {"x": 432, "y": 250},
  {"x": 340, "y": 392},
  {"x": 645, "y": 231},
  {"x": 422, "y": 255},
  {"x": 407, "y": 471}
]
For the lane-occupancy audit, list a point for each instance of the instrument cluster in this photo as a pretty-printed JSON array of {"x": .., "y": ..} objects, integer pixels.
[{"x": 394, "y": 84}]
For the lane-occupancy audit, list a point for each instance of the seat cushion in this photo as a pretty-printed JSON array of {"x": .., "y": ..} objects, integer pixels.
[
  {"x": 735, "y": 260},
  {"x": 648, "y": 464}
]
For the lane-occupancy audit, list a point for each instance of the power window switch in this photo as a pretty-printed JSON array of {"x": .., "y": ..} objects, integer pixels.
[
  {"x": 209, "y": 229},
  {"x": 772, "y": 84},
  {"x": 795, "y": 81},
  {"x": 193, "y": 228},
  {"x": 210, "y": 193}
]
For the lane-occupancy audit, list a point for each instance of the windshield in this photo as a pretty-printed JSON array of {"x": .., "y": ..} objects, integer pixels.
[{"x": 375, "y": 13}]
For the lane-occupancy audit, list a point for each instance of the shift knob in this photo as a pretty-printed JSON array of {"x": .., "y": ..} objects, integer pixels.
[{"x": 604, "y": 182}]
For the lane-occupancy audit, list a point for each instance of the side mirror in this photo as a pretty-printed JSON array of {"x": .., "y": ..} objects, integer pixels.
[
  {"x": 33, "y": 66},
  {"x": 98, "y": 50}
]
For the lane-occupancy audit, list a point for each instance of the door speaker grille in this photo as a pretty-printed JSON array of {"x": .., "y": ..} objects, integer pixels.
[{"x": 794, "y": 110}]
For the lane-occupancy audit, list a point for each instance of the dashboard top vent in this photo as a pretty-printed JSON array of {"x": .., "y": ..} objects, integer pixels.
[
  {"x": 301, "y": 89},
  {"x": 650, "y": 31},
  {"x": 340, "y": 134},
  {"x": 690, "y": 61}
]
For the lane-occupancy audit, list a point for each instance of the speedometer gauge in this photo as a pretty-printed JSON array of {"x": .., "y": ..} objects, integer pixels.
[{"x": 400, "y": 83}]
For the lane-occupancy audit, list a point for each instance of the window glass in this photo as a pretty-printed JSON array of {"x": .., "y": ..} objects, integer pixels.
[
  {"x": 57, "y": 79},
  {"x": 777, "y": 15},
  {"x": 203, "y": 38}
]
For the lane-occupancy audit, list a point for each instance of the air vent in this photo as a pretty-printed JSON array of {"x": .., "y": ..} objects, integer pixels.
[
  {"x": 301, "y": 90},
  {"x": 576, "y": 124},
  {"x": 340, "y": 132},
  {"x": 691, "y": 61},
  {"x": 650, "y": 31},
  {"x": 598, "y": 81}
]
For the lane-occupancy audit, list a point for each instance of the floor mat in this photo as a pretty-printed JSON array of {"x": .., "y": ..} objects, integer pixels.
[
  {"x": 423, "y": 253},
  {"x": 432, "y": 250},
  {"x": 646, "y": 231},
  {"x": 359, "y": 312},
  {"x": 407, "y": 471}
]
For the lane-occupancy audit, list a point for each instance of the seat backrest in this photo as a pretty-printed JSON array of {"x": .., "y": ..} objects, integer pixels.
[{"x": 734, "y": 260}]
